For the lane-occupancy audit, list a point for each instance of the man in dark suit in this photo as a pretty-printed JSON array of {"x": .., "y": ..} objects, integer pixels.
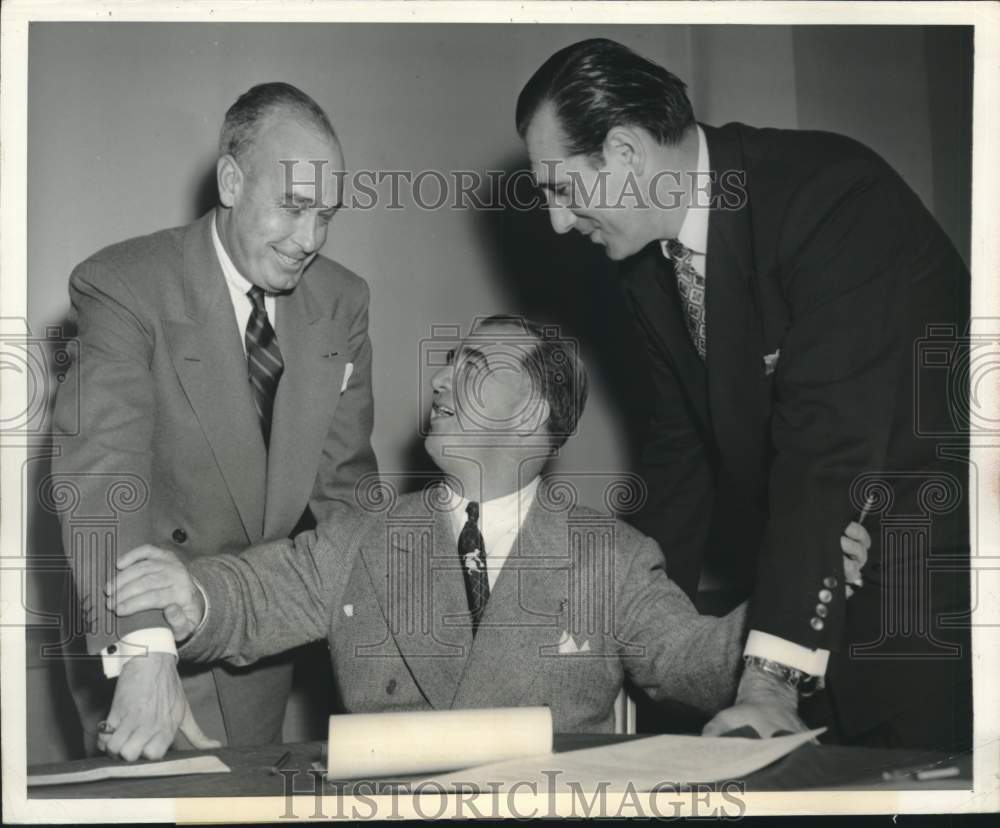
[
  {"x": 224, "y": 381},
  {"x": 781, "y": 282},
  {"x": 492, "y": 588}
]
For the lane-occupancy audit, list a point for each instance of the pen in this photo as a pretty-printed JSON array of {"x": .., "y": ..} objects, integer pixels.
[
  {"x": 277, "y": 766},
  {"x": 865, "y": 509},
  {"x": 869, "y": 502}
]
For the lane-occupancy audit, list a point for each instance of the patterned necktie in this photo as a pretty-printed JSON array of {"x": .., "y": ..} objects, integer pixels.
[
  {"x": 472, "y": 551},
  {"x": 264, "y": 363},
  {"x": 691, "y": 286}
]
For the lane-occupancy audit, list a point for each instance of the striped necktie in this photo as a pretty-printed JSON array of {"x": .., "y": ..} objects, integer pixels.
[
  {"x": 471, "y": 550},
  {"x": 264, "y": 363},
  {"x": 691, "y": 286}
]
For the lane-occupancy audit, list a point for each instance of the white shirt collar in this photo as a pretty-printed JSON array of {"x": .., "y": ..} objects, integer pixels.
[
  {"x": 694, "y": 229},
  {"x": 499, "y": 515},
  {"x": 236, "y": 282}
]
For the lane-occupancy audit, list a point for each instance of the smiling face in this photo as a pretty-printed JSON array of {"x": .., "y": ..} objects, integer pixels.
[
  {"x": 609, "y": 202},
  {"x": 485, "y": 397},
  {"x": 278, "y": 200}
]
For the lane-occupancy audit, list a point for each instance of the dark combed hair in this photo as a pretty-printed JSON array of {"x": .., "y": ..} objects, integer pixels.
[
  {"x": 596, "y": 85},
  {"x": 243, "y": 118},
  {"x": 554, "y": 365}
]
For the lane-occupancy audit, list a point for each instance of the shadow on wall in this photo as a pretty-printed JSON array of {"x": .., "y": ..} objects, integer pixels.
[{"x": 568, "y": 281}]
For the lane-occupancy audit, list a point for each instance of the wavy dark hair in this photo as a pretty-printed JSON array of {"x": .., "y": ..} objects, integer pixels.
[{"x": 596, "y": 85}]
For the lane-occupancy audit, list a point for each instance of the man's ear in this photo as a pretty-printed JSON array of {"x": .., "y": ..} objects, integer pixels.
[
  {"x": 229, "y": 177},
  {"x": 627, "y": 147}
]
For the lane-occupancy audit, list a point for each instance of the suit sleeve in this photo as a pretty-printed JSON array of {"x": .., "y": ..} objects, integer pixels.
[
  {"x": 667, "y": 647},
  {"x": 844, "y": 266},
  {"x": 347, "y": 451},
  {"x": 676, "y": 470},
  {"x": 274, "y": 596},
  {"x": 102, "y": 432}
]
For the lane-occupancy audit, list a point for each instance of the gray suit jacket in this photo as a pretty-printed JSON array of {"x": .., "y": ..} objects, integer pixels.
[
  {"x": 582, "y": 601},
  {"x": 159, "y": 441}
]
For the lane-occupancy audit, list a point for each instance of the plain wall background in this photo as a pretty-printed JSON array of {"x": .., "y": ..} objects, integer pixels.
[{"x": 123, "y": 120}]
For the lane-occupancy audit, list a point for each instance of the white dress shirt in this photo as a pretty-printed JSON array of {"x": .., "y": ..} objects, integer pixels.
[
  {"x": 500, "y": 520},
  {"x": 694, "y": 235},
  {"x": 161, "y": 639},
  {"x": 238, "y": 289}
]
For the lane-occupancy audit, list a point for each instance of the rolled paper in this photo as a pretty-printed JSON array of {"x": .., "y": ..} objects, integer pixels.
[{"x": 364, "y": 745}]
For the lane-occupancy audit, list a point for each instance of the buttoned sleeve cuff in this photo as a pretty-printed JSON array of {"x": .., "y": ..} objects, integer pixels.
[
  {"x": 765, "y": 645},
  {"x": 139, "y": 642}
]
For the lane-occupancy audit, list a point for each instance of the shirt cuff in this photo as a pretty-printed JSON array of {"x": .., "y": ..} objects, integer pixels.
[
  {"x": 139, "y": 642},
  {"x": 765, "y": 645}
]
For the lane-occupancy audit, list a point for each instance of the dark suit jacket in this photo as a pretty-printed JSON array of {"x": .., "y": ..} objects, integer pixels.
[
  {"x": 563, "y": 626},
  {"x": 818, "y": 248},
  {"x": 169, "y": 448}
]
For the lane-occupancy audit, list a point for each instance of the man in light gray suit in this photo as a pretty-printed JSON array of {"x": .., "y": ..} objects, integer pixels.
[{"x": 489, "y": 589}]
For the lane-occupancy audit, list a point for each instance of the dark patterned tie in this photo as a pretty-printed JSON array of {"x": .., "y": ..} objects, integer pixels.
[
  {"x": 264, "y": 363},
  {"x": 691, "y": 286},
  {"x": 472, "y": 552}
]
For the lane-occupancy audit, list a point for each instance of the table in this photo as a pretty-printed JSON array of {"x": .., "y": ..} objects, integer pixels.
[{"x": 808, "y": 767}]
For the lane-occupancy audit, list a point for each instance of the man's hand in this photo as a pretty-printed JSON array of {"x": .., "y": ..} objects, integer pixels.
[
  {"x": 764, "y": 702},
  {"x": 148, "y": 707},
  {"x": 153, "y": 578},
  {"x": 855, "y": 543}
]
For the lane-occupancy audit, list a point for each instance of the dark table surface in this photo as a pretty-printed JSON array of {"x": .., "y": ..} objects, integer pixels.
[{"x": 807, "y": 767}]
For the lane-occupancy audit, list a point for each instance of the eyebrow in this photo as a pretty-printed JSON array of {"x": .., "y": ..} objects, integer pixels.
[
  {"x": 302, "y": 201},
  {"x": 467, "y": 352}
]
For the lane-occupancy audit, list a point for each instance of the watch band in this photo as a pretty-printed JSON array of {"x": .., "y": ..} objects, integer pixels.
[{"x": 805, "y": 684}]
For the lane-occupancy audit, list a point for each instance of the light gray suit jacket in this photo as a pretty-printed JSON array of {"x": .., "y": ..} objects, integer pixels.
[
  {"x": 159, "y": 442},
  {"x": 582, "y": 601}
]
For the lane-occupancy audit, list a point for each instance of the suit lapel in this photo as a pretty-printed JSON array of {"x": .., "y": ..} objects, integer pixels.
[
  {"x": 522, "y": 615},
  {"x": 657, "y": 309},
  {"x": 208, "y": 357},
  {"x": 738, "y": 387},
  {"x": 418, "y": 582},
  {"x": 315, "y": 356}
]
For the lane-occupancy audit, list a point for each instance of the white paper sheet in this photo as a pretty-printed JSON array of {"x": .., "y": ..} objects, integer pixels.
[
  {"x": 121, "y": 770},
  {"x": 366, "y": 745},
  {"x": 641, "y": 764}
]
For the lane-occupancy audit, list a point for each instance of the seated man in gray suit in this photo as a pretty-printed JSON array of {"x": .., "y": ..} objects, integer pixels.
[{"x": 486, "y": 590}]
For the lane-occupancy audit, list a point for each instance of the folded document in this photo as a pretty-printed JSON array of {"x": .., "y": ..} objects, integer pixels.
[
  {"x": 639, "y": 764},
  {"x": 121, "y": 770}
]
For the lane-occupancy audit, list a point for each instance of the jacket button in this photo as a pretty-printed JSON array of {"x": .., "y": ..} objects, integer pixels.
[
  {"x": 816, "y": 623},
  {"x": 825, "y": 596},
  {"x": 829, "y": 582},
  {"x": 179, "y": 536},
  {"x": 821, "y": 610},
  {"x": 390, "y": 688}
]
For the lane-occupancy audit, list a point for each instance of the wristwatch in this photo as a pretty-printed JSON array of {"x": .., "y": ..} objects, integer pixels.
[{"x": 805, "y": 684}]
